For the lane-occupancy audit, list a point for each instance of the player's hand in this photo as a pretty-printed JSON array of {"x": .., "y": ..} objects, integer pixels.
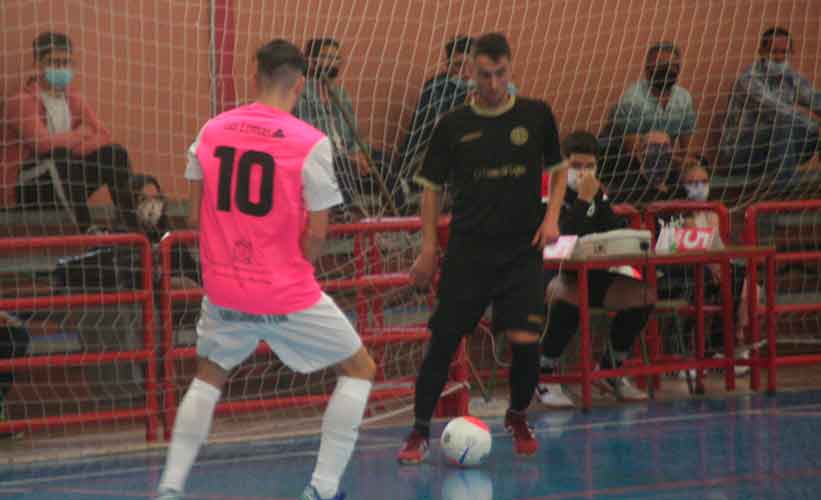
[
  {"x": 588, "y": 186},
  {"x": 421, "y": 272},
  {"x": 547, "y": 233}
]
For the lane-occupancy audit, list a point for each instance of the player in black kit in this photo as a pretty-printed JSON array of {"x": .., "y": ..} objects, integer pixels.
[{"x": 491, "y": 152}]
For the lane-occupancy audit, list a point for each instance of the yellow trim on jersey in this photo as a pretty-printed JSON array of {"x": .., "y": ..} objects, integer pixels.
[
  {"x": 490, "y": 113},
  {"x": 426, "y": 183}
]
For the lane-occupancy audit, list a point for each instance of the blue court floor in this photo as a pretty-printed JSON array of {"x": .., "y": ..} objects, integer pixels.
[{"x": 753, "y": 447}]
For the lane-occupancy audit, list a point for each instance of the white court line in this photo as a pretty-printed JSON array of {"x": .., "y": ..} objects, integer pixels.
[{"x": 392, "y": 444}]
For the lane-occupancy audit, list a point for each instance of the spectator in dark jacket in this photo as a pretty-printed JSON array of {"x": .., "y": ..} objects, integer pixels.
[{"x": 587, "y": 210}]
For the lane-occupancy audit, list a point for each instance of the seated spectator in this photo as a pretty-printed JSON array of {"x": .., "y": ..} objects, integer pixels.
[
  {"x": 773, "y": 117},
  {"x": 152, "y": 219},
  {"x": 57, "y": 152},
  {"x": 678, "y": 281},
  {"x": 648, "y": 131},
  {"x": 440, "y": 94},
  {"x": 14, "y": 342},
  {"x": 587, "y": 210},
  {"x": 317, "y": 107}
]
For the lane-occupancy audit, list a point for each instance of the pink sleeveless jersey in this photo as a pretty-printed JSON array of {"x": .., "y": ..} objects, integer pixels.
[{"x": 252, "y": 213}]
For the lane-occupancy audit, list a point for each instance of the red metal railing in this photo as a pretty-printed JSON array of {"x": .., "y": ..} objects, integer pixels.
[
  {"x": 651, "y": 214},
  {"x": 369, "y": 277},
  {"x": 751, "y": 216},
  {"x": 699, "y": 259},
  {"x": 144, "y": 296}
]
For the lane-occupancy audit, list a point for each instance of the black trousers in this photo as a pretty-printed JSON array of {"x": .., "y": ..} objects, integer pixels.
[{"x": 81, "y": 177}]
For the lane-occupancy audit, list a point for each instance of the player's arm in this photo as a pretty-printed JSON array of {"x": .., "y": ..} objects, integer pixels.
[
  {"x": 313, "y": 238},
  {"x": 548, "y": 231},
  {"x": 320, "y": 192},
  {"x": 195, "y": 198},
  {"x": 193, "y": 172},
  {"x": 435, "y": 170}
]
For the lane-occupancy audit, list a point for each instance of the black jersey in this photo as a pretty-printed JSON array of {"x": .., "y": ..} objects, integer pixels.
[{"x": 493, "y": 164}]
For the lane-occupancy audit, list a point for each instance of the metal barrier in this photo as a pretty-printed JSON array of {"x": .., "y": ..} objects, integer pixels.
[
  {"x": 651, "y": 215},
  {"x": 145, "y": 297},
  {"x": 752, "y": 215},
  {"x": 369, "y": 277}
]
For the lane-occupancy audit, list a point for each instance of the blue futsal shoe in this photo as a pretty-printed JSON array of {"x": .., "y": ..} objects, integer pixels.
[{"x": 311, "y": 494}]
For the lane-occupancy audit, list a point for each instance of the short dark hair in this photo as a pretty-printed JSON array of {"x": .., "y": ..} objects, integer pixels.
[
  {"x": 279, "y": 62},
  {"x": 663, "y": 46},
  {"x": 772, "y": 32},
  {"x": 315, "y": 45},
  {"x": 458, "y": 45},
  {"x": 580, "y": 142},
  {"x": 493, "y": 45},
  {"x": 48, "y": 41}
]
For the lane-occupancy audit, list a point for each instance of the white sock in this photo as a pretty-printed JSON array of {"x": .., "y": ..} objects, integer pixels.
[
  {"x": 340, "y": 428},
  {"x": 191, "y": 428}
]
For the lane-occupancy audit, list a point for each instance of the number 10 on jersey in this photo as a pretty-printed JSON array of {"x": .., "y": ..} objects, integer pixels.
[{"x": 242, "y": 200}]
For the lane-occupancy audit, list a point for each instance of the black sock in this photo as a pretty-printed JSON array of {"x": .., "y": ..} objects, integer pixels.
[
  {"x": 433, "y": 375},
  {"x": 422, "y": 427},
  {"x": 626, "y": 326},
  {"x": 524, "y": 375},
  {"x": 562, "y": 324}
]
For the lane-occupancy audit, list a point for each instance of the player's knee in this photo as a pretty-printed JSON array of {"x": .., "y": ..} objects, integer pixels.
[
  {"x": 211, "y": 373},
  {"x": 361, "y": 365},
  {"x": 523, "y": 337}
]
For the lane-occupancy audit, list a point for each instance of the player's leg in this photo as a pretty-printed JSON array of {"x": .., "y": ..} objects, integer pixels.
[
  {"x": 316, "y": 338},
  {"x": 222, "y": 343},
  {"x": 518, "y": 310},
  {"x": 463, "y": 297},
  {"x": 634, "y": 301}
]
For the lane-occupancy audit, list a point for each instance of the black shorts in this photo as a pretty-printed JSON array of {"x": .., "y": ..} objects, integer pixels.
[{"x": 476, "y": 274}]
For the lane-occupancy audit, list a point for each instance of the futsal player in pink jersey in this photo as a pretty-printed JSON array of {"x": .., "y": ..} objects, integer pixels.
[{"x": 262, "y": 183}]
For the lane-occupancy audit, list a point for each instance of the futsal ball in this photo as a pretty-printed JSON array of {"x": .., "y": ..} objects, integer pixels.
[{"x": 466, "y": 441}]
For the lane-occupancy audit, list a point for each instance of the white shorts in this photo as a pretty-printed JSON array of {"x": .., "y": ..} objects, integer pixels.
[{"x": 306, "y": 341}]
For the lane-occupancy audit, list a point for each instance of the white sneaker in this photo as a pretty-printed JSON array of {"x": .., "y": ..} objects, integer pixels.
[
  {"x": 553, "y": 396},
  {"x": 623, "y": 389},
  {"x": 740, "y": 354}
]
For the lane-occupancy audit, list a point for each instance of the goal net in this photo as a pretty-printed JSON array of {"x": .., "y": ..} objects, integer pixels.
[{"x": 153, "y": 72}]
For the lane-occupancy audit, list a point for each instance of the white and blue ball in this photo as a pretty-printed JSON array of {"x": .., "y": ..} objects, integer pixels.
[{"x": 466, "y": 441}]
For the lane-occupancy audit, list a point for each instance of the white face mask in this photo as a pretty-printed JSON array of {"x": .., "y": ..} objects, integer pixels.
[
  {"x": 698, "y": 191},
  {"x": 150, "y": 211},
  {"x": 573, "y": 176},
  {"x": 573, "y": 179}
]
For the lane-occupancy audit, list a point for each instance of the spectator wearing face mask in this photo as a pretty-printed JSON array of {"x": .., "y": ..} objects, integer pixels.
[
  {"x": 152, "y": 218},
  {"x": 440, "y": 94},
  {"x": 316, "y": 106},
  {"x": 678, "y": 281},
  {"x": 772, "y": 121},
  {"x": 648, "y": 131},
  {"x": 57, "y": 152}
]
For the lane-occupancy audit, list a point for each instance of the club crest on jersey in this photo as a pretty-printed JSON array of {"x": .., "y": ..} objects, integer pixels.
[{"x": 519, "y": 136}]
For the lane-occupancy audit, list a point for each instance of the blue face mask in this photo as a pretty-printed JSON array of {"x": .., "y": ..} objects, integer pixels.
[
  {"x": 59, "y": 78},
  {"x": 777, "y": 68}
]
